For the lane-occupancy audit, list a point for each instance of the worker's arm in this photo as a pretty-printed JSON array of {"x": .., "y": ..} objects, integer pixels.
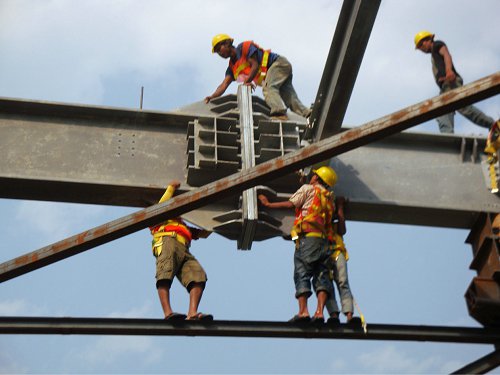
[
  {"x": 221, "y": 89},
  {"x": 172, "y": 186},
  {"x": 340, "y": 204},
  {"x": 265, "y": 202},
  {"x": 254, "y": 68},
  {"x": 448, "y": 65}
]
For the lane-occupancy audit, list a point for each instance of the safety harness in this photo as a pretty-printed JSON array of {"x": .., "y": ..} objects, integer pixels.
[
  {"x": 174, "y": 228},
  {"x": 241, "y": 68},
  {"x": 318, "y": 220},
  {"x": 492, "y": 151}
]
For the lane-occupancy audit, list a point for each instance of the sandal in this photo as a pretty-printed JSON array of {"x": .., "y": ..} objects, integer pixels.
[
  {"x": 202, "y": 317},
  {"x": 175, "y": 317},
  {"x": 317, "y": 320},
  {"x": 300, "y": 319}
]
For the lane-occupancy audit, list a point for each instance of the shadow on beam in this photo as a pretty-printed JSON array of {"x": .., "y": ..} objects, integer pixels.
[{"x": 224, "y": 328}]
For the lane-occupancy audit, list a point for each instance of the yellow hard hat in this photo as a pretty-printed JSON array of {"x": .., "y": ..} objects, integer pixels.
[
  {"x": 219, "y": 38},
  {"x": 327, "y": 174},
  {"x": 422, "y": 35}
]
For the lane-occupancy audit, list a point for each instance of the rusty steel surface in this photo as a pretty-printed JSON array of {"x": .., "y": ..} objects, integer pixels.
[
  {"x": 224, "y": 328},
  {"x": 259, "y": 174}
]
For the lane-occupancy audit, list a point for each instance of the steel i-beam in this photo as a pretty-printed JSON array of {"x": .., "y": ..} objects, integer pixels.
[
  {"x": 224, "y": 328},
  {"x": 259, "y": 174},
  {"x": 352, "y": 33},
  {"x": 249, "y": 196}
]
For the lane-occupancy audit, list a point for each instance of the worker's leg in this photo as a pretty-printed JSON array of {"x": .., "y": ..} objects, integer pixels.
[
  {"x": 193, "y": 277},
  {"x": 166, "y": 268},
  {"x": 331, "y": 305},
  {"x": 446, "y": 123},
  {"x": 163, "y": 287},
  {"x": 277, "y": 74},
  {"x": 304, "y": 259},
  {"x": 472, "y": 113},
  {"x": 303, "y": 310},
  {"x": 321, "y": 278},
  {"x": 342, "y": 281},
  {"x": 475, "y": 115},
  {"x": 195, "y": 294},
  {"x": 289, "y": 95},
  {"x": 322, "y": 298}
]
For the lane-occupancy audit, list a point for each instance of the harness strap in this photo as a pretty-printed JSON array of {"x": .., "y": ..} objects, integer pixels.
[{"x": 179, "y": 237}]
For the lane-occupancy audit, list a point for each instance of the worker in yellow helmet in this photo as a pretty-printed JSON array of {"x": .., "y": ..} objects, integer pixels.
[
  {"x": 252, "y": 65},
  {"x": 312, "y": 233},
  {"x": 447, "y": 78},
  {"x": 171, "y": 241}
]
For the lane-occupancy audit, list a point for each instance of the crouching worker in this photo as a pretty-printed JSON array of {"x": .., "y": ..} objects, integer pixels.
[
  {"x": 171, "y": 241},
  {"x": 312, "y": 233}
]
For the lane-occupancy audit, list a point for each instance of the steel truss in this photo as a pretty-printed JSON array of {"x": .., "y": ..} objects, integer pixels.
[{"x": 354, "y": 27}]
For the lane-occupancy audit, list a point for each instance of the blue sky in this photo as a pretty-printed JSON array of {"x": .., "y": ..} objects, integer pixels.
[{"x": 101, "y": 53}]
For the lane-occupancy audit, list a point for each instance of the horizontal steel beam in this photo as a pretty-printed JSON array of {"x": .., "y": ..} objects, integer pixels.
[
  {"x": 96, "y": 155},
  {"x": 224, "y": 328},
  {"x": 238, "y": 182}
]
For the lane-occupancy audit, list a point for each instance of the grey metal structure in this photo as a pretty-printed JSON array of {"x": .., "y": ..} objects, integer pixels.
[
  {"x": 97, "y": 155},
  {"x": 261, "y": 173},
  {"x": 104, "y": 151}
]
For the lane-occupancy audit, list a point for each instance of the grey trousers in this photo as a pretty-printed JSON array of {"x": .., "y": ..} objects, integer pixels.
[
  {"x": 447, "y": 122},
  {"x": 279, "y": 92}
]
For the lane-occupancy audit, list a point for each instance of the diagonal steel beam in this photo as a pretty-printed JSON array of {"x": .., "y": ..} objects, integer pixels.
[
  {"x": 352, "y": 33},
  {"x": 483, "y": 365},
  {"x": 225, "y": 328},
  {"x": 315, "y": 153}
]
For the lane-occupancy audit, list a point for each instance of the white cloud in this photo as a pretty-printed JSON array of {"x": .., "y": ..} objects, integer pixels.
[
  {"x": 109, "y": 349},
  {"x": 13, "y": 307},
  {"x": 10, "y": 364},
  {"x": 389, "y": 359},
  {"x": 139, "y": 312},
  {"x": 20, "y": 307},
  {"x": 54, "y": 221}
]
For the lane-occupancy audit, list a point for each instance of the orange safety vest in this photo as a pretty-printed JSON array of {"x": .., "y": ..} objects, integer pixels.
[
  {"x": 242, "y": 67},
  {"x": 318, "y": 220},
  {"x": 174, "y": 225}
]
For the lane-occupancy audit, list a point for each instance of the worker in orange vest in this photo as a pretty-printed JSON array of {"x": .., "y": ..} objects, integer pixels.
[
  {"x": 254, "y": 66},
  {"x": 171, "y": 241},
  {"x": 313, "y": 234}
]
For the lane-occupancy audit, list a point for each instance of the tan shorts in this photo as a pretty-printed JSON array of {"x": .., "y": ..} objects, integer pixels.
[{"x": 176, "y": 260}]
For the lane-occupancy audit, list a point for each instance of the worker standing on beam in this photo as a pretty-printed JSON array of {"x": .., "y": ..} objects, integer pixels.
[
  {"x": 312, "y": 233},
  {"x": 338, "y": 263},
  {"x": 252, "y": 65},
  {"x": 447, "y": 79},
  {"x": 171, "y": 241}
]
